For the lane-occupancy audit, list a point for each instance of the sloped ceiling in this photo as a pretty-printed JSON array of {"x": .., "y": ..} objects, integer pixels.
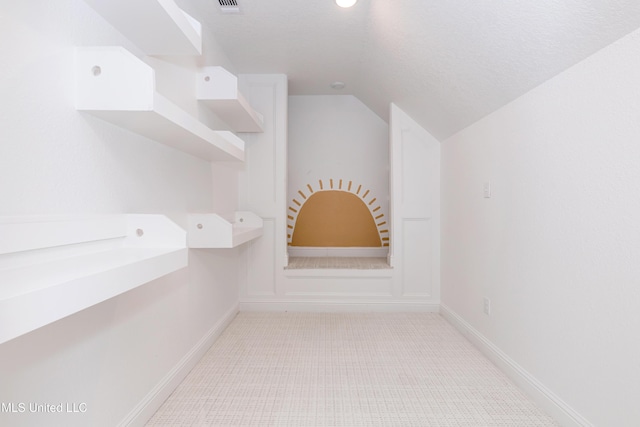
[{"x": 447, "y": 63}]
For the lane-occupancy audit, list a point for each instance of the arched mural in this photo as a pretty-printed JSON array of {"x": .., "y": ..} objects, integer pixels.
[{"x": 336, "y": 214}]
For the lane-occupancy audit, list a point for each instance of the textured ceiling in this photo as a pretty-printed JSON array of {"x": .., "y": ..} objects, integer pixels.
[{"x": 447, "y": 63}]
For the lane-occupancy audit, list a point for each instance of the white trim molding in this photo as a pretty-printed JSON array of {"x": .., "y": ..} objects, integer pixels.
[
  {"x": 545, "y": 398},
  {"x": 327, "y": 306},
  {"x": 322, "y": 273},
  {"x": 145, "y": 409}
]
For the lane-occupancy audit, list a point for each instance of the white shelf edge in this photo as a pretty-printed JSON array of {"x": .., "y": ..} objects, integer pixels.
[
  {"x": 245, "y": 234},
  {"x": 157, "y": 27},
  {"x": 116, "y": 86},
  {"x": 210, "y": 231},
  {"x": 73, "y": 268},
  {"x": 218, "y": 90}
]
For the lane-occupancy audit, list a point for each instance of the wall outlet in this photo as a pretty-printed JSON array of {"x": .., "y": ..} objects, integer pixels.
[
  {"x": 486, "y": 190},
  {"x": 487, "y": 306}
]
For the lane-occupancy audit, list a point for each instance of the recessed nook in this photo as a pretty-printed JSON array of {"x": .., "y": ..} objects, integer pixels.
[{"x": 338, "y": 184}]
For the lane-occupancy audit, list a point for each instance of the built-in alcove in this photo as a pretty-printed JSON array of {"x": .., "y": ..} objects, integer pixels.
[
  {"x": 312, "y": 146},
  {"x": 338, "y": 184}
]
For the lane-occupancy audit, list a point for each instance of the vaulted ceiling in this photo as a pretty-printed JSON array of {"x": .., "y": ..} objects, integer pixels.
[{"x": 447, "y": 63}]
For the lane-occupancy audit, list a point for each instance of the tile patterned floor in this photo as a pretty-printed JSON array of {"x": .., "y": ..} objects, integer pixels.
[
  {"x": 297, "y": 263},
  {"x": 316, "y": 369}
]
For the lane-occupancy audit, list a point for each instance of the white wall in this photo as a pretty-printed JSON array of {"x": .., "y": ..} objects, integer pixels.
[
  {"x": 337, "y": 137},
  {"x": 55, "y": 160},
  {"x": 556, "y": 247},
  {"x": 415, "y": 209}
]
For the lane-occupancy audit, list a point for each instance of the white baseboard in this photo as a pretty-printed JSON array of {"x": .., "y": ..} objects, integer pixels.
[
  {"x": 545, "y": 398},
  {"x": 154, "y": 399},
  {"x": 304, "y": 251},
  {"x": 340, "y": 306}
]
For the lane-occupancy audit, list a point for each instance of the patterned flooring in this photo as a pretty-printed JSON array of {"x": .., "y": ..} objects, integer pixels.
[
  {"x": 364, "y": 263},
  {"x": 316, "y": 369}
]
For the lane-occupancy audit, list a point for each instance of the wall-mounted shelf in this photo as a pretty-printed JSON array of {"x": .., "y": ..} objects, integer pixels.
[
  {"x": 118, "y": 87},
  {"x": 215, "y": 231},
  {"x": 157, "y": 27},
  {"x": 218, "y": 90},
  {"x": 52, "y": 267}
]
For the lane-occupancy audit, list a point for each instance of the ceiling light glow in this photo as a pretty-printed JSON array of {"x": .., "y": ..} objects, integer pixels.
[{"x": 346, "y": 3}]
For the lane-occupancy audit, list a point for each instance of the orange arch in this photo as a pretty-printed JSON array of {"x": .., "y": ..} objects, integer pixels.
[{"x": 335, "y": 219}]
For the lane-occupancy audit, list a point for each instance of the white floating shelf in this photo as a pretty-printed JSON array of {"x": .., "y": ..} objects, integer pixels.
[
  {"x": 157, "y": 27},
  {"x": 52, "y": 267},
  {"x": 118, "y": 87},
  {"x": 218, "y": 90},
  {"x": 214, "y": 231}
]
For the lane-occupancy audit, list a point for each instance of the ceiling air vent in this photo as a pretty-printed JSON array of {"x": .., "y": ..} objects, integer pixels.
[{"x": 229, "y": 6}]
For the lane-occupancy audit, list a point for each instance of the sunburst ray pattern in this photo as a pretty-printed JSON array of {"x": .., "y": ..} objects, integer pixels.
[{"x": 327, "y": 223}]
